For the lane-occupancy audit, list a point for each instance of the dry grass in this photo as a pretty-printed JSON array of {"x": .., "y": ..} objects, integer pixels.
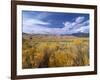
[{"x": 43, "y": 54}]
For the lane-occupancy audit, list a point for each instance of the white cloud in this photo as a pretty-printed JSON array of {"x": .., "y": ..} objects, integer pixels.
[
  {"x": 42, "y": 15},
  {"x": 79, "y": 19},
  {"x": 36, "y": 27},
  {"x": 29, "y": 22},
  {"x": 84, "y": 29},
  {"x": 67, "y": 25},
  {"x": 78, "y": 25},
  {"x": 33, "y": 25}
]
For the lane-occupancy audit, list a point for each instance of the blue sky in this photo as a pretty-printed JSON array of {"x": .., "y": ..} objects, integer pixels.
[{"x": 40, "y": 22}]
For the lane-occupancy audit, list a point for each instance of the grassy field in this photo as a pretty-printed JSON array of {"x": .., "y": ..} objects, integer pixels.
[{"x": 54, "y": 51}]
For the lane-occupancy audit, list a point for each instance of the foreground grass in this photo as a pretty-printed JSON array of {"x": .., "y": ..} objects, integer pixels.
[{"x": 43, "y": 54}]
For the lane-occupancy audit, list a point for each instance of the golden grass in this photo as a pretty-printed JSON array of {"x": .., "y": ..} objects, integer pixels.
[{"x": 43, "y": 54}]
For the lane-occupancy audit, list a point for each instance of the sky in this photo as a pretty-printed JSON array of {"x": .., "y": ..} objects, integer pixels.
[{"x": 40, "y": 22}]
